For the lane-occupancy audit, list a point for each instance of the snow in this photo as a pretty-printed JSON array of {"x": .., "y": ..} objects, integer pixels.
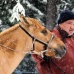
[{"x": 18, "y": 8}]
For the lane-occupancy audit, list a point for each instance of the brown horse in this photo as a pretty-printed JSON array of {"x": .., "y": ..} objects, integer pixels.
[{"x": 27, "y": 36}]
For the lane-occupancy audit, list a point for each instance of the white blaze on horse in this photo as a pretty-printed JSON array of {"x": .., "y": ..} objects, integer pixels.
[{"x": 27, "y": 36}]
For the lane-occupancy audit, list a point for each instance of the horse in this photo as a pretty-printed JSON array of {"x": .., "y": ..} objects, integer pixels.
[{"x": 27, "y": 36}]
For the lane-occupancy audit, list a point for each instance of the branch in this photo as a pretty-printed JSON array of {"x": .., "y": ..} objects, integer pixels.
[
  {"x": 34, "y": 8},
  {"x": 66, "y": 3},
  {"x": 43, "y": 1}
]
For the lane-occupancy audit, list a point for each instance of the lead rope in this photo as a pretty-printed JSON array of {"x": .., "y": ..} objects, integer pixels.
[
  {"x": 57, "y": 66},
  {"x": 49, "y": 60}
]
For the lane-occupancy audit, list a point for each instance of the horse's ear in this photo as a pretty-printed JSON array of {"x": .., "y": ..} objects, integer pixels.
[{"x": 24, "y": 20}]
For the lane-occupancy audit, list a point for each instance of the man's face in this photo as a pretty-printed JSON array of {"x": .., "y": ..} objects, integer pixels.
[{"x": 68, "y": 26}]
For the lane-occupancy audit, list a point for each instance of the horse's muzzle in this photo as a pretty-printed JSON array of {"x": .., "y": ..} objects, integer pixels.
[{"x": 60, "y": 53}]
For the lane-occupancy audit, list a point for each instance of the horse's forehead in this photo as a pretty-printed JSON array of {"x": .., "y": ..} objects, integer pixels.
[{"x": 35, "y": 24}]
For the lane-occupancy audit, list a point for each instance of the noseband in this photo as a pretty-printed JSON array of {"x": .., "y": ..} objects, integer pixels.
[{"x": 42, "y": 53}]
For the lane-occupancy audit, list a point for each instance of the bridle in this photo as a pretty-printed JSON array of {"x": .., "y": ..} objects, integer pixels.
[
  {"x": 36, "y": 39},
  {"x": 46, "y": 45}
]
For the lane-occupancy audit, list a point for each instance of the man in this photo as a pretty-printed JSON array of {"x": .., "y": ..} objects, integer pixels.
[{"x": 64, "y": 31}]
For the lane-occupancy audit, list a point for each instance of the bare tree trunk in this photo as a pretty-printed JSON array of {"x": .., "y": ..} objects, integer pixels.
[{"x": 51, "y": 11}]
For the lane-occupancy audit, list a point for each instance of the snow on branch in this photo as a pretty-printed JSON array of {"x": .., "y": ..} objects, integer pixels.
[
  {"x": 18, "y": 8},
  {"x": 43, "y": 1},
  {"x": 65, "y": 3},
  {"x": 39, "y": 14},
  {"x": 34, "y": 8}
]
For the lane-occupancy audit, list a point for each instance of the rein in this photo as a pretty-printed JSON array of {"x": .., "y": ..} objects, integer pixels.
[{"x": 36, "y": 39}]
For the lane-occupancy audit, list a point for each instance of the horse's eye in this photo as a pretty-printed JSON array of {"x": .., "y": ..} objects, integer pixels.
[{"x": 44, "y": 31}]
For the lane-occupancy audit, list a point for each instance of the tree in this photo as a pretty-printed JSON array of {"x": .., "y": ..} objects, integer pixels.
[
  {"x": 53, "y": 8},
  {"x": 51, "y": 13}
]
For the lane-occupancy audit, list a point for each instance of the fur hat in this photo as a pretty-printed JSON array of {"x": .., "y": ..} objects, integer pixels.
[{"x": 65, "y": 15}]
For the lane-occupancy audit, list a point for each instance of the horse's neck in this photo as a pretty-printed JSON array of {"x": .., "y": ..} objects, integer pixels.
[{"x": 14, "y": 45}]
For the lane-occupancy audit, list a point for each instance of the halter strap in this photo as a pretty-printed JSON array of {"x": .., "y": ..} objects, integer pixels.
[{"x": 36, "y": 39}]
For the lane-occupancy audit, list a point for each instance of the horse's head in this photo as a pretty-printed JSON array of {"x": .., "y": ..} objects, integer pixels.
[{"x": 45, "y": 41}]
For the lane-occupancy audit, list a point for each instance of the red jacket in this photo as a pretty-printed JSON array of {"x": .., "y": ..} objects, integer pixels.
[{"x": 56, "y": 66}]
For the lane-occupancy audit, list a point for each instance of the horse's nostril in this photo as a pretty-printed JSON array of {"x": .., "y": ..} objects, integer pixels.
[
  {"x": 60, "y": 53},
  {"x": 63, "y": 52},
  {"x": 64, "y": 48}
]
